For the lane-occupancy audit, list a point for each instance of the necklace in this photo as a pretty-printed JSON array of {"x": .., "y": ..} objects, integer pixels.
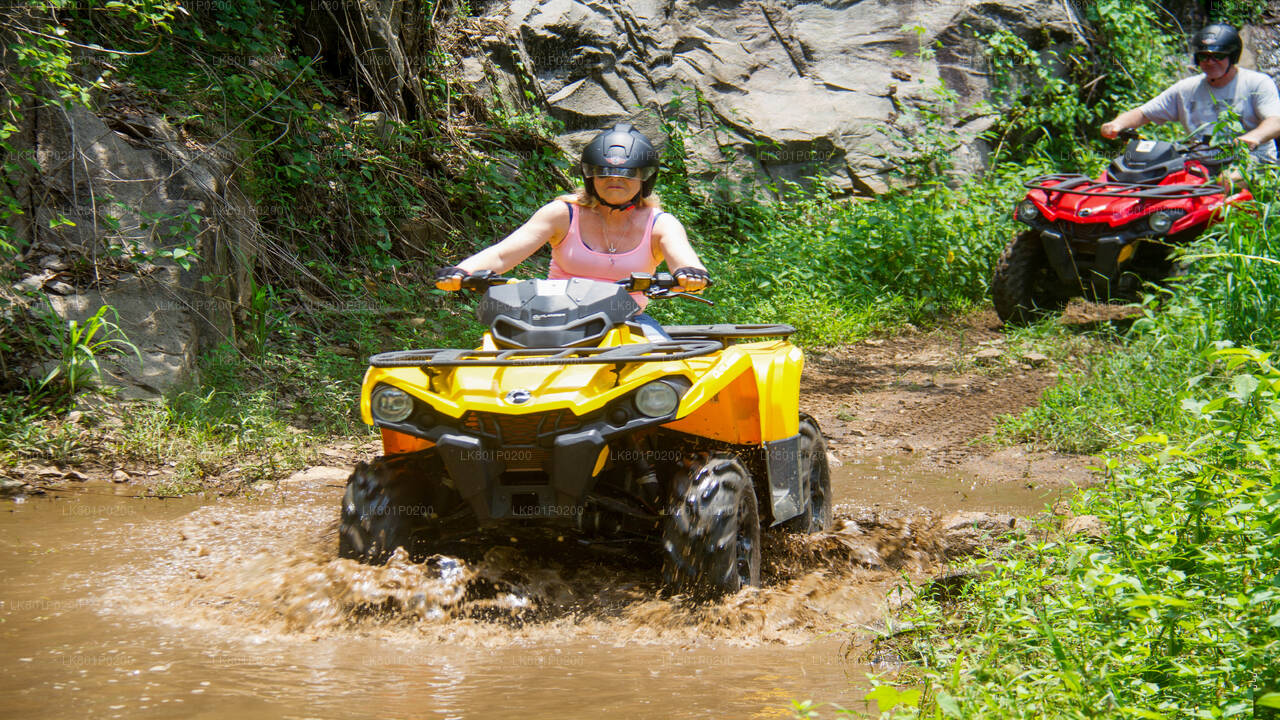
[
  {"x": 608, "y": 239},
  {"x": 611, "y": 246}
]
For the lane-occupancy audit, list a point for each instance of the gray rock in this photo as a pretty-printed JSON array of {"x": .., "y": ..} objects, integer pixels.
[
  {"x": 983, "y": 521},
  {"x": 164, "y": 337},
  {"x": 53, "y": 262},
  {"x": 1035, "y": 359},
  {"x": 966, "y": 532},
  {"x": 789, "y": 90},
  {"x": 99, "y": 179},
  {"x": 318, "y": 475},
  {"x": 32, "y": 283},
  {"x": 1087, "y": 525},
  {"x": 987, "y": 356}
]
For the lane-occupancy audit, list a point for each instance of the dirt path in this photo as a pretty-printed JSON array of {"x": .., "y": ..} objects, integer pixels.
[{"x": 932, "y": 400}]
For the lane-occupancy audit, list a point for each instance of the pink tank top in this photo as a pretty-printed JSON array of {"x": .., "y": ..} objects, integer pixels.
[{"x": 573, "y": 259}]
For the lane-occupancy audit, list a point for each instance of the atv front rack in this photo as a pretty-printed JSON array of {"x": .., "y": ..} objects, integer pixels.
[
  {"x": 727, "y": 331},
  {"x": 1075, "y": 184},
  {"x": 517, "y": 357}
]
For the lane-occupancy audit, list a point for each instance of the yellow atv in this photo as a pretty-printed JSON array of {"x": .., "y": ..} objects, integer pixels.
[{"x": 567, "y": 415}]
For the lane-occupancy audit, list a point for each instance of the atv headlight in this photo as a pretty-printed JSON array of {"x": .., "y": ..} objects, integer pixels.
[
  {"x": 390, "y": 404},
  {"x": 1160, "y": 222},
  {"x": 657, "y": 399},
  {"x": 1028, "y": 212}
]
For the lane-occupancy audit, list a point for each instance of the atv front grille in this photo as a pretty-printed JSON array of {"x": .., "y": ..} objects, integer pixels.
[
  {"x": 1086, "y": 231},
  {"x": 522, "y": 442},
  {"x": 520, "y": 429}
]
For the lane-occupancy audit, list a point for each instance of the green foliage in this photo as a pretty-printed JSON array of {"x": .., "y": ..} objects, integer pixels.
[
  {"x": 234, "y": 439},
  {"x": 1055, "y": 99},
  {"x": 45, "y": 71},
  {"x": 1174, "y": 613},
  {"x": 1238, "y": 12},
  {"x": 333, "y": 183},
  {"x": 1236, "y": 270},
  {"x": 32, "y": 428},
  {"x": 78, "y": 346}
]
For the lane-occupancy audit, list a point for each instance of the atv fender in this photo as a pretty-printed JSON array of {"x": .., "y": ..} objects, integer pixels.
[
  {"x": 783, "y": 465},
  {"x": 752, "y": 397},
  {"x": 1058, "y": 251}
]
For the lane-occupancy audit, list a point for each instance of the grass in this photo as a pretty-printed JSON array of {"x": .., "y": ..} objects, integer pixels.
[{"x": 1175, "y": 613}]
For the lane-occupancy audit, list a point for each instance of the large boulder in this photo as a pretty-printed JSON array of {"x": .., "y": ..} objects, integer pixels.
[
  {"x": 772, "y": 90},
  {"x": 132, "y": 215}
]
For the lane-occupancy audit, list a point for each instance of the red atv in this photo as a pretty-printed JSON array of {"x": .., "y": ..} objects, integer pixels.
[{"x": 1102, "y": 239}]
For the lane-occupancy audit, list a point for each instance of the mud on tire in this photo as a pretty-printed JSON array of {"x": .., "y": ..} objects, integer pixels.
[
  {"x": 711, "y": 535},
  {"x": 1024, "y": 287},
  {"x": 815, "y": 480},
  {"x": 388, "y": 502}
]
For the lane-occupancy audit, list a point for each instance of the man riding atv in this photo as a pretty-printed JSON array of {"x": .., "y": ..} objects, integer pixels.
[{"x": 1198, "y": 101}]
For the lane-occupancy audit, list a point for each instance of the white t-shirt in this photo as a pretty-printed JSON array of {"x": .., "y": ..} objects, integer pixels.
[{"x": 1194, "y": 103}]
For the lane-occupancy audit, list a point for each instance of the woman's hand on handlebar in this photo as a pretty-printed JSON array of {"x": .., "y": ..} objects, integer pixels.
[
  {"x": 450, "y": 278},
  {"x": 692, "y": 279}
]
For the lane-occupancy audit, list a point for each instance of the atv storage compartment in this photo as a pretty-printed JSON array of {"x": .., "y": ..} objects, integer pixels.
[
  {"x": 554, "y": 313},
  {"x": 1145, "y": 161}
]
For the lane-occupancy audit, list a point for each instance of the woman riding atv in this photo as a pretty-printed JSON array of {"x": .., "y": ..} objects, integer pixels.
[
  {"x": 686, "y": 444},
  {"x": 612, "y": 227}
]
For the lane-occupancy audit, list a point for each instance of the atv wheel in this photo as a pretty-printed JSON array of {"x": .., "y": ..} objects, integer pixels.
[
  {"x": 385, "y": 503},
  {"x": 1024, "y": 287},
  {"x": 816, "y": 480},
  {"x": 711, "y": 536}
]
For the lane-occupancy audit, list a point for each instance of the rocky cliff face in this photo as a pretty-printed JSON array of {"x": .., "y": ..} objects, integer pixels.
[
  {"x": 129, "y": 214},
  {"x": 787, "y": 88}
]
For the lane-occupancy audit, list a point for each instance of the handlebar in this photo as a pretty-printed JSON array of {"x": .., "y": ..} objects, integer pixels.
[
  {"x": 656, "y": 285},
  {"x": 1196, "y": 147}
]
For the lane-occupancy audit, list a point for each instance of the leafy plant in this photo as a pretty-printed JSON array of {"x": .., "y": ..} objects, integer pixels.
[{"x": 79, "y": 345}]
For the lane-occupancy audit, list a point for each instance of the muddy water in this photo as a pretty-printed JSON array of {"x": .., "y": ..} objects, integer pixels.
[
  {"x": 898, "y": 485},
  {"x": 122, "y": 607}
]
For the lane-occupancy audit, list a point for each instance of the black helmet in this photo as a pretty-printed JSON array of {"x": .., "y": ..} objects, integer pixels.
[
  {"x": 1217, "y": 38},
  {"x": 621, "y": 151}
]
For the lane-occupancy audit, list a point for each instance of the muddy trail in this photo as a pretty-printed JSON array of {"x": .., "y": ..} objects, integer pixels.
[{"x": 115, "y": 606}]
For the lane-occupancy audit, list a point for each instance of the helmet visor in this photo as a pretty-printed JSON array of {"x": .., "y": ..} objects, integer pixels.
[{"x": 594, "y": 171}]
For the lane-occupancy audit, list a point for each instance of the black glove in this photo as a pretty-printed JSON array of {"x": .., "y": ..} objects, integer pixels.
[
  {"x": 692, "y": 273},
  {"x": 449, "y": 271}
]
